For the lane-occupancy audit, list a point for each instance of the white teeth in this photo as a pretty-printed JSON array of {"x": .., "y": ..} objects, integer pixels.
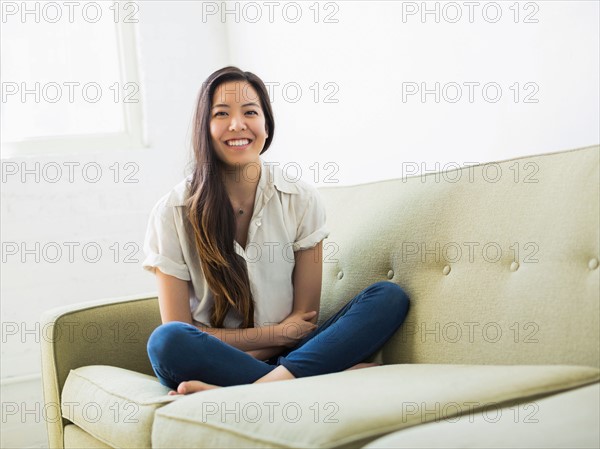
[{"x": 238, "y": 143}]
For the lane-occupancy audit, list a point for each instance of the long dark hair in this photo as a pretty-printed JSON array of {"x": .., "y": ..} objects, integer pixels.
[{"x": 208, "y": 206}]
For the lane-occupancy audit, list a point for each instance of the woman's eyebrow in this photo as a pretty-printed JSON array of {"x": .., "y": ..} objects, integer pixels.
[{"x": 226, "y": 105}]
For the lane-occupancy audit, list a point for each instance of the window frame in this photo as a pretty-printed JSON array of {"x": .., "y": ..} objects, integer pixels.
[{"x": 133, "y": 137}]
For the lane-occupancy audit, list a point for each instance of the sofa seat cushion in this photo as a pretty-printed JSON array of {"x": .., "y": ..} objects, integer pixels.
[
  {"x": 75, "y": 438},
  {"x": 351, "y": 408},
  {"x": 565, "y": 420},
  {"x": 114, "y": 405}
]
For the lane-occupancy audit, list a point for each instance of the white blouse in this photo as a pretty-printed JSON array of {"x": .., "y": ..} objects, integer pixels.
[{"x": 288, "y": 216}]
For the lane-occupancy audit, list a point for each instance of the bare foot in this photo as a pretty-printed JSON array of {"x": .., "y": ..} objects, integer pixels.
[
  {"x": 363, "y": 365},
  {"x": 192, "y": 386},
  {"x": 280, "y": 373}
]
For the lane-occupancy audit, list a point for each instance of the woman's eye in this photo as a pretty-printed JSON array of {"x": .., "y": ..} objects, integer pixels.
[{"x": 223, "y": 112}]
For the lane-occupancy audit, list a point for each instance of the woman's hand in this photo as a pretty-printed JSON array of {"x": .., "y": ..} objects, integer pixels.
[{"x": 295, "y": 327}]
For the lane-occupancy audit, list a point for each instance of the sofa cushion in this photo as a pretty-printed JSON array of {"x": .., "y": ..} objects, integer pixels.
[
  {"x": 114, "y": 405},
  {"x": 75, "y": 438},
  {"x": 351, "y": 408},
  {"x": 565, "y": 420}
]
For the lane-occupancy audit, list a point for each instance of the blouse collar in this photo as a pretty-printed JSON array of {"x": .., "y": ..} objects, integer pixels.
[{"x": 271, "y": 179}]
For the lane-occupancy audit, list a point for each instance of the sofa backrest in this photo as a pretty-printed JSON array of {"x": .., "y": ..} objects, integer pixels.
[{"x": 500, "y": 260}]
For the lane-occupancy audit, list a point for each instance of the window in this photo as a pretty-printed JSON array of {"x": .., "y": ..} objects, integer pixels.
[{"x": 69, "y": 79}]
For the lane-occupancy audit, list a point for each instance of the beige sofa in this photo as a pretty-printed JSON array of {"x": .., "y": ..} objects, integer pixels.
[{"x": 500, "y": 347}]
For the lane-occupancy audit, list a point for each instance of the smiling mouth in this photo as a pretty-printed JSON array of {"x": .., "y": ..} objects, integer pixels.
[{"x": 238, "y": 142}]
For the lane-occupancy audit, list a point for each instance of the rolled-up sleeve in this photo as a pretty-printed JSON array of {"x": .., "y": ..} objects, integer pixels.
[
  {"x": 312, "y": 227},
  {"x": 162, "y": 247}
]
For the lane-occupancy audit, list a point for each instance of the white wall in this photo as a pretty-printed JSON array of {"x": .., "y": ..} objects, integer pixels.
[
  {"x": 368, "y": 134},
  {"x": 370, "y": 52}
]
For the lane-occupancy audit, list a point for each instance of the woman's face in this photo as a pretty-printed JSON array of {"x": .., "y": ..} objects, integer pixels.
[{"x": 237, "y": 123}]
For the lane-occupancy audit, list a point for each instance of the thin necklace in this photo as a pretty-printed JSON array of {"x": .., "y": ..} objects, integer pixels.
[{"x": 240, "y": 211}]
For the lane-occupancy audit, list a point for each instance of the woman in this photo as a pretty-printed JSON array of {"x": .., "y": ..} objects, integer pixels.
[{"x": 237, "y": 252}]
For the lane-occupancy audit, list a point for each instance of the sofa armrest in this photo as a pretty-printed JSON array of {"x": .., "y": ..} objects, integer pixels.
[{"x": 107, "y": 332}]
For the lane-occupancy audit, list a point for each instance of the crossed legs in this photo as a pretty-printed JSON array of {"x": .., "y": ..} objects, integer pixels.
[{"x": 180, "y": 352}]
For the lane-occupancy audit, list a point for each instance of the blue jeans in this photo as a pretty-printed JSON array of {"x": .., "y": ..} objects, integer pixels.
[{"x": 179, "y": 351}]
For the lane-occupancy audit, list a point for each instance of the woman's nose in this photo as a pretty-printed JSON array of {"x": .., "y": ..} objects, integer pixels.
[{"x": 236, "y": 123}]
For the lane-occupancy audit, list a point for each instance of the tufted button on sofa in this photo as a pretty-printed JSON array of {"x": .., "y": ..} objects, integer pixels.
[{"x": 500, "y": 347}]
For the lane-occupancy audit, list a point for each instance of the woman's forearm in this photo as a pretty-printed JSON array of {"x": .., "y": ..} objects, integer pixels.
[{"x": 248, "y": 339}]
